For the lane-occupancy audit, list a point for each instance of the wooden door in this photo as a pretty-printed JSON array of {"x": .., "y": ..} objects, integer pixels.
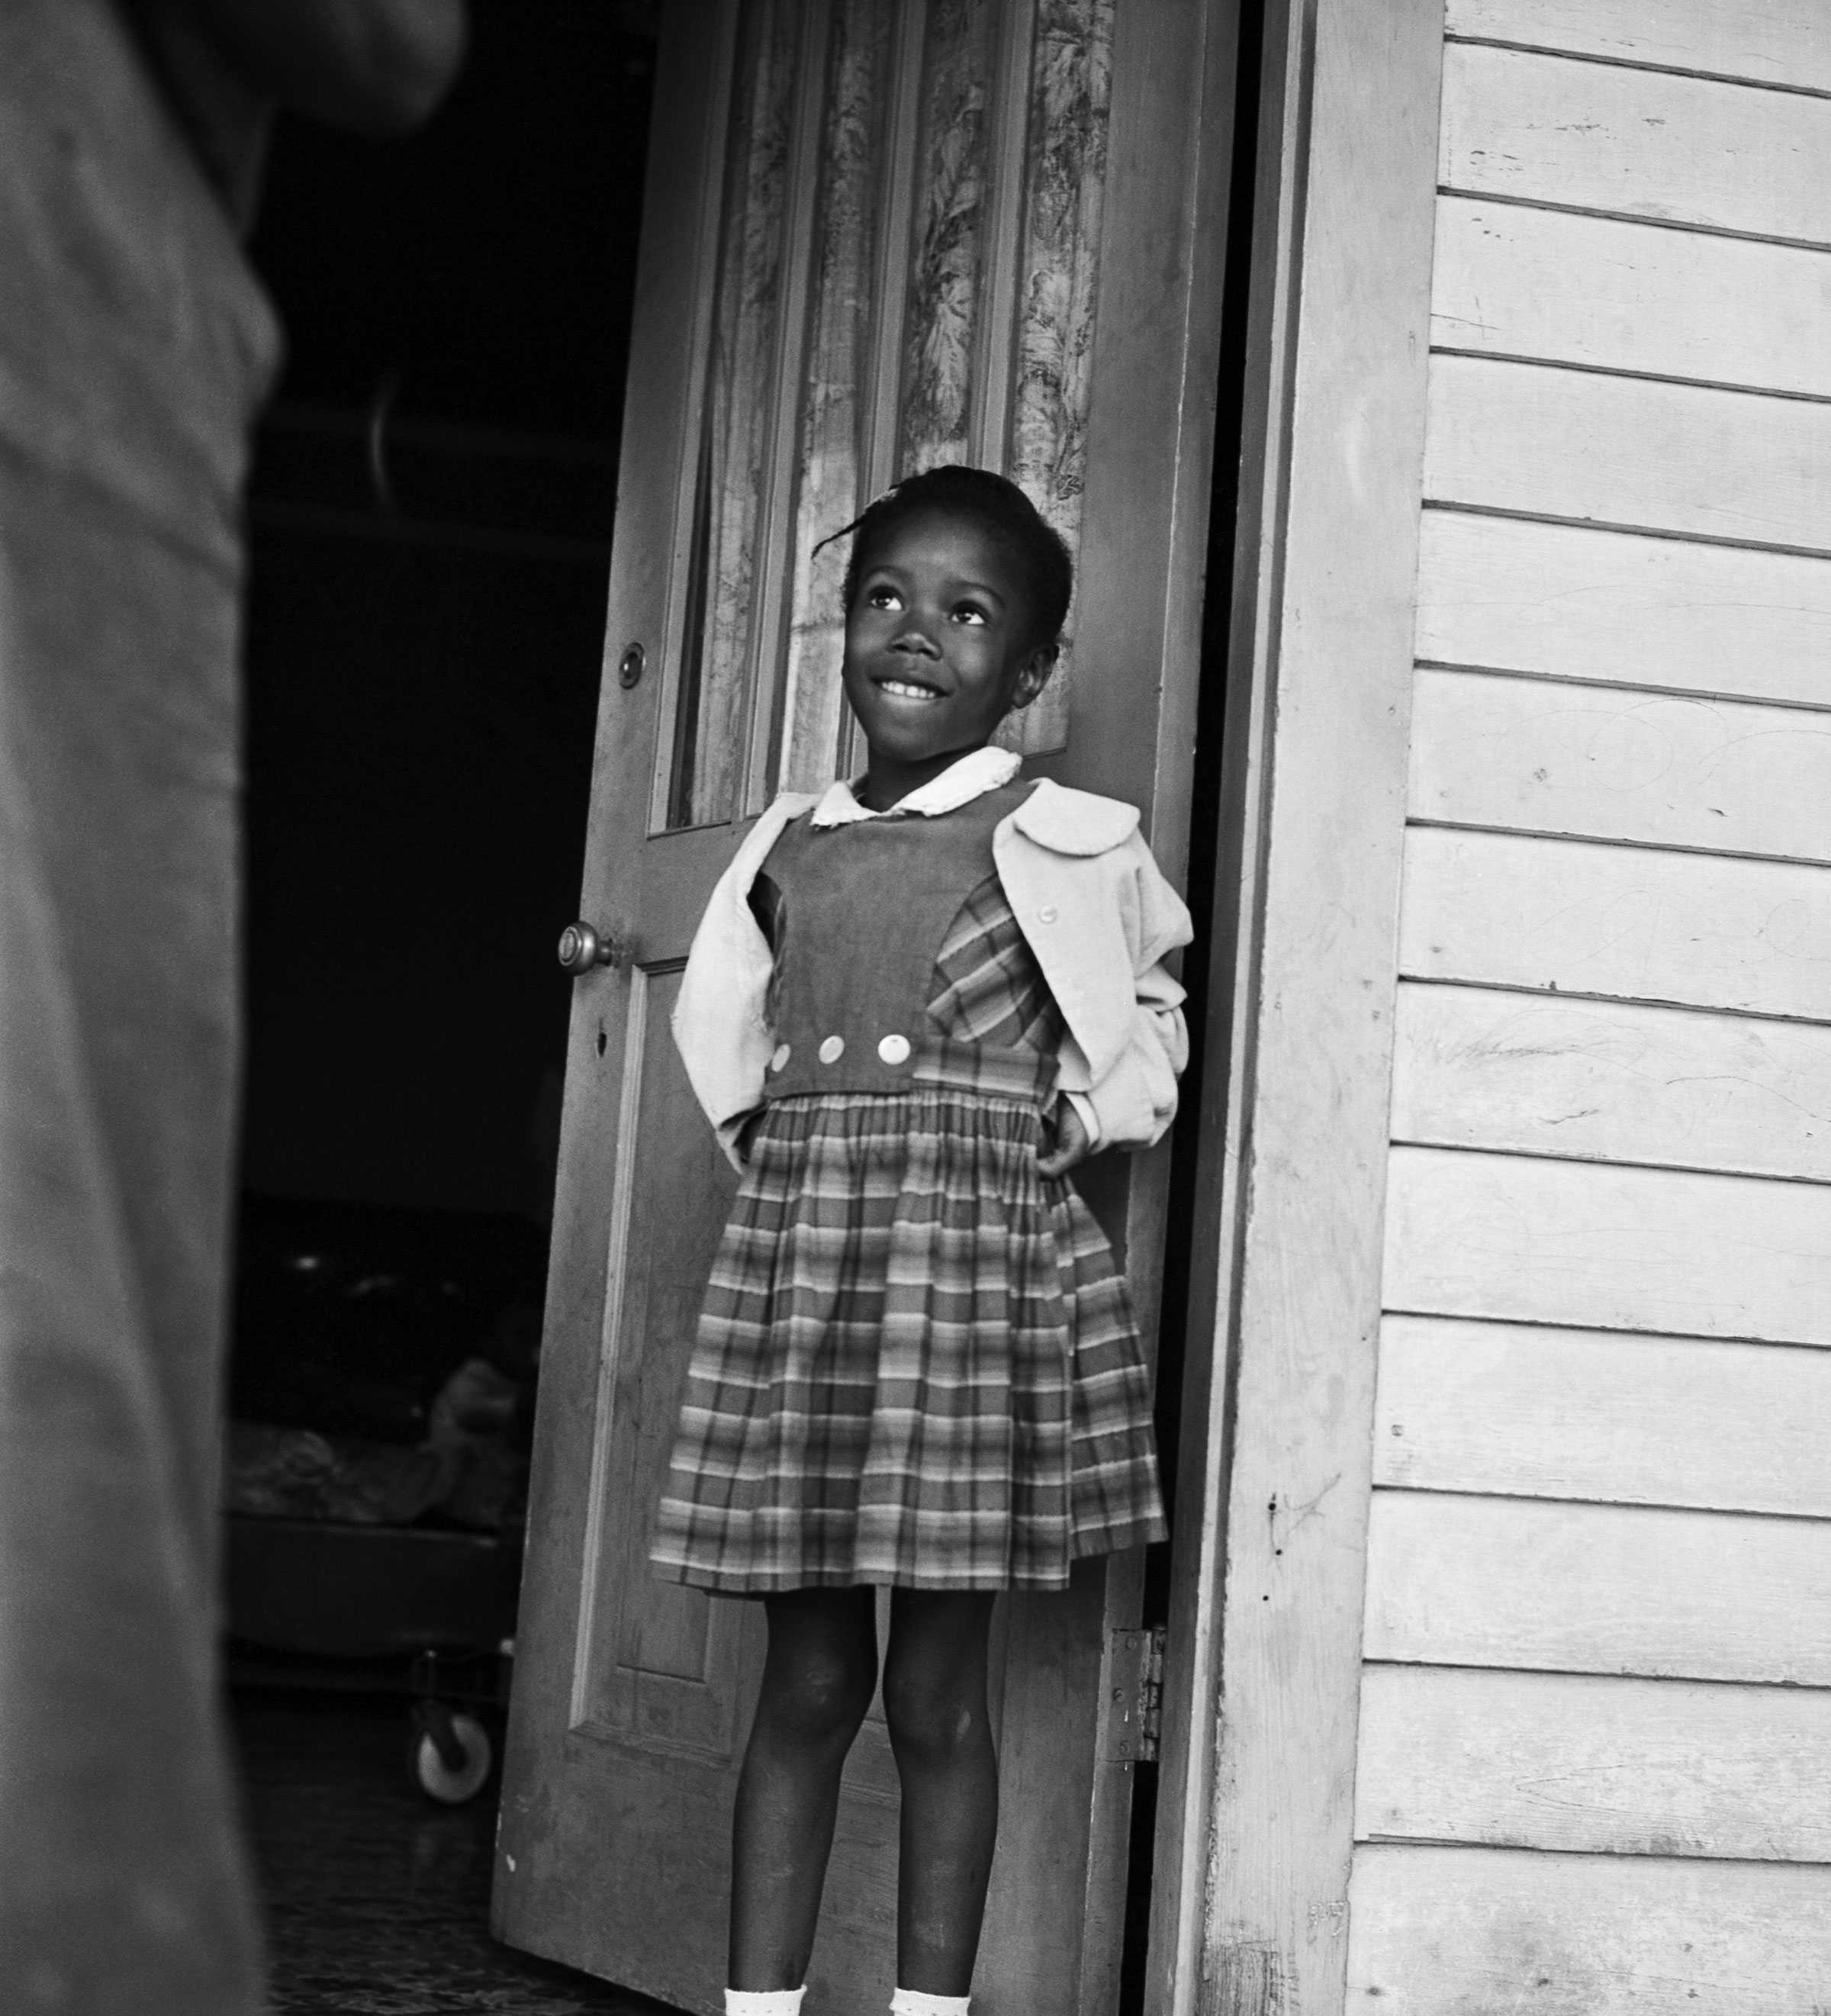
[{"x": 877, "y": 236}]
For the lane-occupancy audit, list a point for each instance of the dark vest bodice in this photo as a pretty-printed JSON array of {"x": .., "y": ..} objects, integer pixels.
[{"x": 861, "y": 911}]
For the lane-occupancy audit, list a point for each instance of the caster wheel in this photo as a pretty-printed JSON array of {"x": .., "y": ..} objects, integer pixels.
[{"x": 453, "y": 1780}]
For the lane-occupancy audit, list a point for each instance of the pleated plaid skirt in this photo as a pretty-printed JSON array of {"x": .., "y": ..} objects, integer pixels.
[{"x": 916, "y": 1362}]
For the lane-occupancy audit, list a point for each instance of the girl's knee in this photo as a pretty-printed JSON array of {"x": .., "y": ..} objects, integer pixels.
[
  {"x": 933, "y": 1717},
  {"x": 935, "y": 1674},
  {"x": 817, "y": 1695}
]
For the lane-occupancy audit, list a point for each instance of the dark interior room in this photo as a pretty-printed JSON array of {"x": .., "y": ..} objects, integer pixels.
[{"x": 430, "y": 521}]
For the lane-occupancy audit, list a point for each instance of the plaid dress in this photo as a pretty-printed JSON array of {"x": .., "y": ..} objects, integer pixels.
[{"x": 916, "y": 1362}]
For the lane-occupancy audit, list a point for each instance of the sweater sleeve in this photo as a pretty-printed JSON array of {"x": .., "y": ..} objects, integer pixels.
[
  {"x": 1134, "y": 1103},
  {"x": 719, "y": 1021}
]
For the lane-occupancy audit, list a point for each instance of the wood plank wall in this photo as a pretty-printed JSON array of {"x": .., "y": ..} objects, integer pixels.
[{"x": 1594, "y": 1761}]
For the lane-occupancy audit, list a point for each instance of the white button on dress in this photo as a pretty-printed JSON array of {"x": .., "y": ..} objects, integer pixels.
[
  {"x": 832, "y": 1049},
  {"x": 1047, "y": 914},
  {"x": 778, "y": 1059},
  {"x": 894, "y": 1049}
]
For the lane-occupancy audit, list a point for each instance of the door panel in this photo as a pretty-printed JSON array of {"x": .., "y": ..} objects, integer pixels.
[
  {"x": 655, "y": 1659},
  {"x": 720, "y": 718},
  {"x": 873, "y": 238}
]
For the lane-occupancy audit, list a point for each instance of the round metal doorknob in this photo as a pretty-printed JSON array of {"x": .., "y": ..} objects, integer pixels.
[{"x": 582, "y": 948}]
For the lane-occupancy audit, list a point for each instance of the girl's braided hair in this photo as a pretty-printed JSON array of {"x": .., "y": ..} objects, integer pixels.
[{"x": 995, "y": 503}]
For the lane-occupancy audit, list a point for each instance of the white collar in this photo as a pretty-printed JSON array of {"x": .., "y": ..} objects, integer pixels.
[{"x": 971, "y": 777}]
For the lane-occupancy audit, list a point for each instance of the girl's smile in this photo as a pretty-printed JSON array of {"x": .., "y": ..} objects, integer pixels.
[{"x": 938, "y": 650}]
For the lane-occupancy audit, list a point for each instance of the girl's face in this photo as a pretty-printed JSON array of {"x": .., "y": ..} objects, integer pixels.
[{"x": 938, "y": 644}]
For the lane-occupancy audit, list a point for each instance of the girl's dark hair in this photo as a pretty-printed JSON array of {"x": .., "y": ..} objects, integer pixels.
[{"x": 997, "y": 504}]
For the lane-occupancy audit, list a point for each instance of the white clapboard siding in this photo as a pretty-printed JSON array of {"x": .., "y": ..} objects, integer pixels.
[
  {"x": 1615, "y": 763},
  {"x": 1633, "y": 453},
  {"x": 1784, "y": 42},
  {"x": 1531, "y": 1411},
  {"x": 1543, "y": 1074},
  {"x": 1593, "y": 1765},
  {"x": 1516, "y": 1239},
  {"x": 1535, "y": 1584},
  {"x": 1636, "y": 143},
  {"x": 1479, "y": 1067},
  {"x": 1585, "y": 917},
  {"x": 1579, "y": 604},
  {"x": 1593, "y": 291},
  {"x": 1472, "y": 1931},
  {"x": 1594, "y": 1770}
]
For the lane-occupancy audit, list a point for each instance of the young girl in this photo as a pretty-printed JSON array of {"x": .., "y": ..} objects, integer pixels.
[{"x": 913, "y": 1005}]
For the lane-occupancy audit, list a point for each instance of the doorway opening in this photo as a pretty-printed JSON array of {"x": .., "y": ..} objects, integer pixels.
[{"x": 430, "y": 515}]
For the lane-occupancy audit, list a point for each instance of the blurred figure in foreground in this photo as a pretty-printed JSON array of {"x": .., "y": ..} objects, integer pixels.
[{"x": 135, "y": 347}]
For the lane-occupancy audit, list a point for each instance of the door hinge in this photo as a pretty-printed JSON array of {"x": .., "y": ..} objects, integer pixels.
[{"x": 1132, "y": 1717}]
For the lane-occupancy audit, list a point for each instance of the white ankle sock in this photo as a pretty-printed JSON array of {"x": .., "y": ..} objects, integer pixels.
[
  {"x": 763, "y": 2001},
  {"x": 913, "y": 2002}
]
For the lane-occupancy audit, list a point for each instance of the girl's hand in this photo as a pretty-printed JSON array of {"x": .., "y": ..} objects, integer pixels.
[{"x": 1072, "y": 1145}]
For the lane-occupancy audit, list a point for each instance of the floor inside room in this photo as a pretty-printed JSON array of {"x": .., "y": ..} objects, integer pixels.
[{"x": 377, "y": 1897}]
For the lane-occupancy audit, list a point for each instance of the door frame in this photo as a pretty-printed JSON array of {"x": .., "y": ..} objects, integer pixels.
[
  {"x": 1254, "y": 1832},
  {"x": 1139, "y": 611}
]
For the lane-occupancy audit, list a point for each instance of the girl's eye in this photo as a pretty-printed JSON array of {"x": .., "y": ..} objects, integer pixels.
[
  {"x": 882, "y": 598},
  {"x": 969, "y": 612}
]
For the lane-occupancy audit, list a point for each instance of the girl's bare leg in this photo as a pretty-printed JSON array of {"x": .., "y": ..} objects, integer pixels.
[
  {"x": 934, "y": 1701},
  {"x": 817, "y": 1678}
]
